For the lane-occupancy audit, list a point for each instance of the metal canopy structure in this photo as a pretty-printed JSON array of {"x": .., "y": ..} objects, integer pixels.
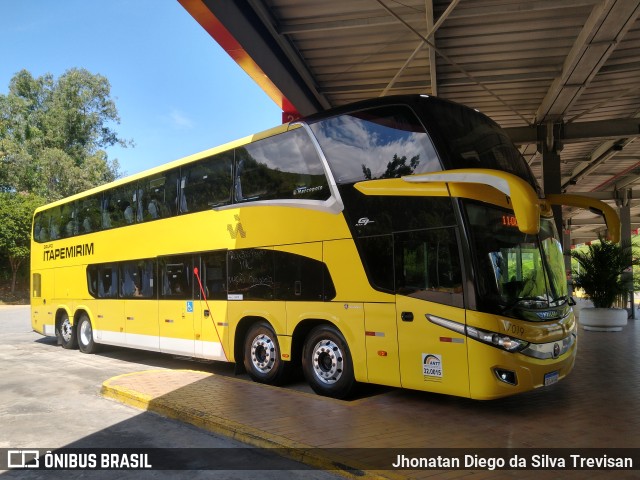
[{"x": 563, "y": 76}]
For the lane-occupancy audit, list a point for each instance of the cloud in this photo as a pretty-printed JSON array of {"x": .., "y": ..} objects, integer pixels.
[{"x": 180, "y": 120}]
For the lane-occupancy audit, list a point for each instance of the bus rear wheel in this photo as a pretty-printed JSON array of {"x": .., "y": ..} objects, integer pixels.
[
  {"x": 262, "y": 356},
  {"x": 327, "y": 364},
  {"x": 66, "y": 332},
  {"x": 86, "y": 344}
]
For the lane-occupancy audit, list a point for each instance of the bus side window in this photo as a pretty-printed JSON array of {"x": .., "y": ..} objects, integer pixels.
[
  {"x": 158, "y": 196},
  {"x": 384, "y": 142},
  {"x": 41, "y": 226},
  {"x": 120, "y": 206},
  {"x": 428, "y": 266},
  {"x": 206, "y": 183},
  {"x": 92, "y": 280},
  {"x": 176, "y": 275},
  {"x": 68, "y": 220},
  {"x": 215, "y": 275},
  {"x": 56, "y": 222},
  {"x": 89, "y": 214},
  {"x": 108, "y": 281},
  {"x": 37, "y": 285},
  {"x": 285, "y": 166},
  {"x": 137, "y": 279},
  {"x": 251, "y": 273},
  {"x": 298, "y": 278}
]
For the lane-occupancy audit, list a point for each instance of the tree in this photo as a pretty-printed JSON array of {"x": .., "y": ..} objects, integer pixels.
[
  {"x": 52, "y": 139},
  {"x": 16, "y": 210},
  {"x": 53, "y": 134}
]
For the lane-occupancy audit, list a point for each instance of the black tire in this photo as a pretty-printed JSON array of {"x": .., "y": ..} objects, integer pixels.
[
  {"x": 327, "y": 364},
  {"x": 66, "y": 332},
  {"x": 262, "y": 359},
  {"x": 84, "y": 333}
]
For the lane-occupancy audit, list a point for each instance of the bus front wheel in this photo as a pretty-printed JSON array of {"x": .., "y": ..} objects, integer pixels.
[
  {"x": 326, "y": 362},
  {"x": 262, "y": 355},
  {"x": 66, "y": 332},
  {"x": 86, "y": 343}
]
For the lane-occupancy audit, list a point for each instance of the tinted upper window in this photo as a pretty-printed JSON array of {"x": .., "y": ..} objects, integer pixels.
[
  {"x": 207, "y": 183},
  {"x": 472, "y": 140},
  {"x": 89, "y": 216},
  {"x": 119, "y": 206},
  {"x": 386, "y": 142},
  {"x": 284, "y": 166},
  {"x": 159, "y": 195}
]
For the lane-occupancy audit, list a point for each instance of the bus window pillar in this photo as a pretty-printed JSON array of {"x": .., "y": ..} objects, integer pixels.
[
  {"x": 623, "y": 202},
  {"x": 550, "y": 146},
  {"x": 566, "y": 248}
]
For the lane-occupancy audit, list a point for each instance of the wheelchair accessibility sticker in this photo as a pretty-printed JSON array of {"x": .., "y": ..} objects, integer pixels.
[{"x": 190, "y": 306}]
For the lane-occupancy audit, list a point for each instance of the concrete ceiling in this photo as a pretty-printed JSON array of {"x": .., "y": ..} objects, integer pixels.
[{"x": 571, "y": 64}]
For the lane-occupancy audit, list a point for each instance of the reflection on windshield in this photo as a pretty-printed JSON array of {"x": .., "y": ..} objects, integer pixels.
[
  {"x": 475, "y": 141},
  {"x": 513, "y": 268},
  {"x": 386, "y": 142}
]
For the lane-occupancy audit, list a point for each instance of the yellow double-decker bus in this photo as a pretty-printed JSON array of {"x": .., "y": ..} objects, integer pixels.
[{"x": 401, "y": 241}]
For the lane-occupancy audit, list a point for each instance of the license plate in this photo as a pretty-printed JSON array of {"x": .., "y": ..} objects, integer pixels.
[{"x": 551, "y": 378}]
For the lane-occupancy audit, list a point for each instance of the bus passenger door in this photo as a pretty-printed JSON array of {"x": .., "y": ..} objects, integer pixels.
[
  {"x": 109, "y": 319},
  {"x": 176, "y": 306},
  {"x": 137, "y": 287},
  {"x": 429, "y": 286},
  {"x": 41, "y": 313},
  {"x": 211, "y": 326}
]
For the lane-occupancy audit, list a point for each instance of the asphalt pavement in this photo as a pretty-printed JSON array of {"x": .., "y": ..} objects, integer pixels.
[{"x": 50, "y": 399}]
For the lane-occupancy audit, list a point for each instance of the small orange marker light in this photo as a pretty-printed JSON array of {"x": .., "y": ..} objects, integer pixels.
[
  {"x": 382, "y": 353},
  {"x": 285, "y": 355}
]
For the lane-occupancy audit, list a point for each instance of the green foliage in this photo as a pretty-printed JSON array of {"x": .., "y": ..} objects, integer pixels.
[
  {"x": 16, "y": 210},
  {"x": 52, "y": 139},
  {"x": 600, "y": 269},
  {"x": 396, "y": 168},
  {"x": 53, "y": 132}
]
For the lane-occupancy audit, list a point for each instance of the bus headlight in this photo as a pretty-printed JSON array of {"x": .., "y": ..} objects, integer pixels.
[{"x": 505, "y": 342}]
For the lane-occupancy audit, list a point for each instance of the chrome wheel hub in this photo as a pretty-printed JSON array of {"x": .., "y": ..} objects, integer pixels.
[
  {"x": 263, "y": 353},
  {"x": 327, "y": 361},
  {"x": 85, "y": 333},
  {"x": 66, "y": 330}
]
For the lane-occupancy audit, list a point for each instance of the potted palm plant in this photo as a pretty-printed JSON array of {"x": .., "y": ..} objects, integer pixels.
[{"x": 599, "y": 273}]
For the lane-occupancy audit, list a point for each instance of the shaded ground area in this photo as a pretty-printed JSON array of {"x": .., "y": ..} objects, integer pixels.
[{"x": 19, "y": 297}]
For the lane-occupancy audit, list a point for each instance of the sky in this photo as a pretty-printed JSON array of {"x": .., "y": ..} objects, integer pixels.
[{"x": 177, "y": 92}]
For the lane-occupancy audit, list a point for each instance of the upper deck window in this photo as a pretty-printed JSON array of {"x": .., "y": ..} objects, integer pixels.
[
  {"x": 284, "y": 166},
  {"x": 206, "y": 184},
  {"x": 472, "y": 140},
  {"x": 386, "y": 142}
]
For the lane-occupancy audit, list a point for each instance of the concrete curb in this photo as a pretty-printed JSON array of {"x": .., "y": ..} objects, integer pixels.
[{"x": 207, "y": 420}]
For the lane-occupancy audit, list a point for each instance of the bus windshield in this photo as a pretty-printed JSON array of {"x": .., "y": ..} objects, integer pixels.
[
  {"x": 472, "y": 140},
  {"x": 515, "y": 269}
]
